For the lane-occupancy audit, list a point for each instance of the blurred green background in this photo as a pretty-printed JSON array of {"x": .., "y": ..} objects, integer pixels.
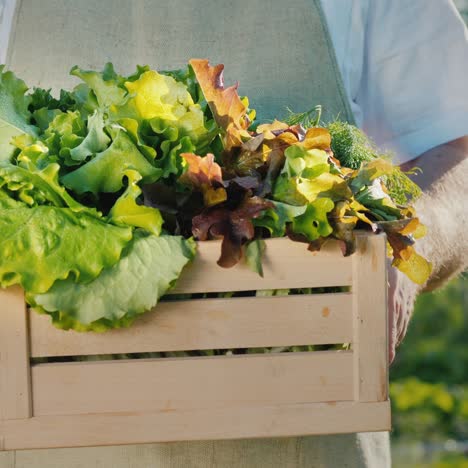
[
  {"x": 429, "y": 383},
  {"x": 429, "y": 378}
]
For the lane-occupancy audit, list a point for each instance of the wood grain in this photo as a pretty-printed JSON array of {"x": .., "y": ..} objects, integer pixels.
[
  {"x": 207, "y": 424},
  {"x": 286, "y": 264},
  {"x": 15, "y": 388},
  {"x": 370, "y": 319},
  {"x": 210, "y": 324},
  {"x": 170, "y": 384},
  {"x": 157, "y": 400}
]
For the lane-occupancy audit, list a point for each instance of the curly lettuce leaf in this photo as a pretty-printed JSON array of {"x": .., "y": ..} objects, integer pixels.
[
  {"x": 65, "y": 132},
  {"x": 234, "y": 226},
  {"x": 35, "y": 186},
  {"x": 127, "y": 212},
  {"x": 314, "y": 222},
  {"x": 416, "y": 268},
  {"x": 106, "y": 171},
  {"x": 161, "y": 97},
  {"x": 43, "y": 244},
  {"x": 171, "y": 162},
  {"x": 43, "y": 99},
  {"x": 400, "y": 236},
  {"x": 95, "y": 141},
  {"x": 105, "y": 85},
  {"x": 306, "y": 176},
  {"x": 15, "y": 118},
  {"x": 307, "y": 163},
  {"x": 369, "y": 171},
  {"x": 276, "y": 219},
  {"x": 229, "y": 111},
  {"x": 132, "y": 127},
  {"x": 44, "y": 107},
  {"x": 121, "y": 293},
  {"x": 205, "y": 175},
  {"x": 378, "y": 202}
]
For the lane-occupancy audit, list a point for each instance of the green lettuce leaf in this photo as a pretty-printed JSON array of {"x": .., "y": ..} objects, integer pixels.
[
  {"x": 254, "y": 251},
  {"x": 379, "y": 203},
  {"x": 106, "y": 171},
  {"x": 65, "y": 132},
  {"x": 42, "y": 244},
  {"x": 161, "y": 97},
  {"x": 132, "y": 127},
  {"x": 105, "y": 85},
  {"x": 275, "y": 219},
  {"x": 304, "y": 162},
  {"x": 35, "y": 186},
  {"x": 34, "y": 179},
  {"x": 369, "y": 171},
  {"x": 15, "y": 117},
  {"x": 95, "y": 141},
  {"x": 171, "y": 161},
  {"x": 121, "y": 293},
  {"x": 314, "y": 223},
  {"x": 127, "y": 212}
]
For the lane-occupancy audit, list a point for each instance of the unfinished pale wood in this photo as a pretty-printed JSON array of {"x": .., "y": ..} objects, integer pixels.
[
  {"x": 286, "y": 264},
  {"x": 156, "y": 400},
  {"x": 206, "y": 424},
  {"x": 370, "y": 319},
  {"x": 191, "y": 383},
  {"x": 15, "y": 389},
  {"x": 210, "y": 324},
  {"x": 7, "y": 460}
]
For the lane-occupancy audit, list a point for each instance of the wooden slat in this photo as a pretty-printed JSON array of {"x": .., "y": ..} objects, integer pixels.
[
  {"x": 190, "y": 383},
  {"x": 370, "y": 319},
  {"x": 7, "y": 459},
  {"x": 207, "y": 424},
  {"x": 15, "y": 389},
  {"x": 287, "y": 264},
  {"x": 210, "y": 323}
]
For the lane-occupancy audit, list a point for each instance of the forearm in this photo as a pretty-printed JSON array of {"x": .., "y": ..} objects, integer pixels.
[{"x": 443, "y": 208}]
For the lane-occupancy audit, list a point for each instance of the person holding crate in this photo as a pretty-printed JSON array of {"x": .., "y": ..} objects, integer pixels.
[{"x": 394, "y": 68}]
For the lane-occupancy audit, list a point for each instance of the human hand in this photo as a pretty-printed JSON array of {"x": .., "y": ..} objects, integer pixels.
[{"x": 401, "y": 297}]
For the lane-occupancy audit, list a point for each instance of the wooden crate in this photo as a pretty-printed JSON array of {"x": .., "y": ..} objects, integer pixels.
[{"x": 67, "y": 404}]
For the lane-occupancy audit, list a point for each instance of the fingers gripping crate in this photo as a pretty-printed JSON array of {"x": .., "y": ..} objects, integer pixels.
[{"x": 65, "y": 404}]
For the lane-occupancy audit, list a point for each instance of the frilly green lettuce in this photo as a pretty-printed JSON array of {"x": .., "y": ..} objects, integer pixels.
[
  {"x": 148, "y": 270},
  {"x": 15, "y": 117},
  {"x": 105, "y": 172},
  {"x": 42, "y": 244},
  {"x": 128, "y": 213}
]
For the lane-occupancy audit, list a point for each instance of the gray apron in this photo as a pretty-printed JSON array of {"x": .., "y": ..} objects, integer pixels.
[
  {"x": 279, "y": 51},
  {"x": 282, "y": 55}
]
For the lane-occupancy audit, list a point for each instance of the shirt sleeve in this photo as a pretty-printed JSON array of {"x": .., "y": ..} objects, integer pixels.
[
  {"x": 7, "y": 9},
  {"x": 414, "y": 89}
]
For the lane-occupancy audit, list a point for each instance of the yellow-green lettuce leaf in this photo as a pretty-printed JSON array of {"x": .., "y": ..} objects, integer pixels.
[
  {"x": 127, "y": 212},
  {"x": 161, "y": 97},
  {"x": 314, "y": 223},
  {"x": 15, "y": 117},
  {"x": 43, "y": 244},
  {"x": 134, "y": 285},
  {"x": 106, "y": 171}
]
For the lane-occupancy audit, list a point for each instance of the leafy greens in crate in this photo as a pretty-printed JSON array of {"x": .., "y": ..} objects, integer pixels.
[{"x": 104, "y": 189}]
